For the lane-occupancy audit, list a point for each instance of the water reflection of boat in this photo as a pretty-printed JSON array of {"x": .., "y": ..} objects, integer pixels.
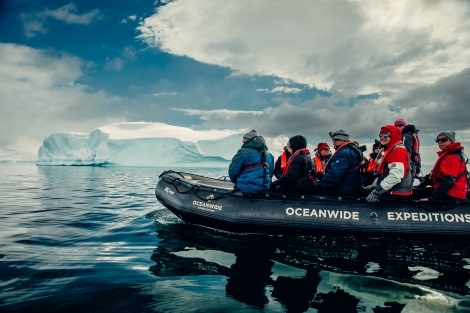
[
  {"x": 326, "y": 272},
  {"x": 211, "y": 202}
]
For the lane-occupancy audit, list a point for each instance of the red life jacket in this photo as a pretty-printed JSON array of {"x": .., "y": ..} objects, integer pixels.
[
  {"x": 292, "y": 157},
  {"x": 459, "y": 189},
  {"x": 371, "y": 166}
]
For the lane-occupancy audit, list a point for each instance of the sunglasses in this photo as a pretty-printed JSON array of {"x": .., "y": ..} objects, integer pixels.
[
  {"x": 385, "y": 136},
  {"x": 326, "y": 149},
  {"x": 400, "y": 125},
  {"x": 442, "y": 139}
]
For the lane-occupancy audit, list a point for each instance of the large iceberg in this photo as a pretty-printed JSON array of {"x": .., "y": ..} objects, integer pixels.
[{"x": 141, "y": 144}]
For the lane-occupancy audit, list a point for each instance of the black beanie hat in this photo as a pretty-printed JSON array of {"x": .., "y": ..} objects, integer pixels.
[{"x": 298, "y": 142}]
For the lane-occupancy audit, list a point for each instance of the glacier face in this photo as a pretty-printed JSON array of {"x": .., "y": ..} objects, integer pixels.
[{"x": 141, "y": 144}]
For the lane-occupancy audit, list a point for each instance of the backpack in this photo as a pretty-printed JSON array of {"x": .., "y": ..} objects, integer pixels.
[{"x": 415, "y": 156}]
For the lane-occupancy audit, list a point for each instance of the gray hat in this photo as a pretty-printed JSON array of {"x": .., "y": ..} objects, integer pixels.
[
  {"x": 339, "y": 134},
  {"x": 448, "y": 134},
  {"x": 251, "y": 134}
]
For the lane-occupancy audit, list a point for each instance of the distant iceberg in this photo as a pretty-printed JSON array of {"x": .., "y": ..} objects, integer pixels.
[{"x": 141, "y": 144}]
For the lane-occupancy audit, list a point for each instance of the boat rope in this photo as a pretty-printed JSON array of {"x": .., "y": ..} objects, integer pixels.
[{"x": 194, "y": 188}]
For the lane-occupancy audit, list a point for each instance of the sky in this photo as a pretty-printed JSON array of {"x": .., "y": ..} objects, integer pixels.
[{"x": 282, "y": 67}]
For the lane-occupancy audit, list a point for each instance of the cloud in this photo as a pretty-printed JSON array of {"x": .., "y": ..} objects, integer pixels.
[
  {"x": 406, "y": 55},
  {"x": 342, "y": 43},
  {"x": 129, "y": 18},
  {"x": 34, "y": 22},
  {"x": 114, "y": 64},
  {"x": 164, "y": 94},
  {"x": 42, "y": 94}
]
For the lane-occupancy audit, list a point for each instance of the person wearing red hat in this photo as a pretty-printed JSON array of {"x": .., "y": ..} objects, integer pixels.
[
  {"x": 393, "y": 169},
  {"x": 321, "y": 157}
]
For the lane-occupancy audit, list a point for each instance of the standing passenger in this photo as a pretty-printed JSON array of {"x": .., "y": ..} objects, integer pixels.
[
  {"x": 410, "y": 139},
  {"x": 252, "y": 166}
]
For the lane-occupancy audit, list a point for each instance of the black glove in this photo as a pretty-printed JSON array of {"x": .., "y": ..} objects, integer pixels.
[
  {"x": 273, "y": 186},
  {"x": 425, "y": 181},
  {"x": 374, "y": 196}
]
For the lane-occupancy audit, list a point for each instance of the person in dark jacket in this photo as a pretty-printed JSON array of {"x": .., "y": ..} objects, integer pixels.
[
  {"x": 252, "y": 166},
  {"x": 343, "y": 170},
  {"x": 410, "y": 139},
  {"x": 448, "y": 177},
  {"x": 370, "y": 171},
  {"x": 281, "y": 163},
  {"x": 296, "y": 177}
]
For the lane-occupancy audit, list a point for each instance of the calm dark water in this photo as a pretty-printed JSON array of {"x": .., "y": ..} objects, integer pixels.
[{"x": 95, "y": 239}]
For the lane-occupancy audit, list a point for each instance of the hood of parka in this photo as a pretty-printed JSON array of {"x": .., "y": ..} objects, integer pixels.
[{"x": 395, "y": 134}]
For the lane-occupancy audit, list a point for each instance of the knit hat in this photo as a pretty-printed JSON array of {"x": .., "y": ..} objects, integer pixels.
[
  {"x": 339, "y": 134},
  {"x": 376, "y": 144},
  {"x": 448, "y": 134},
  {"x": 297, "y": 142},
  {"x": 322, "y": 145},
  {"x": 251, "y": 134},
  {"x": 400, "y": 121}
]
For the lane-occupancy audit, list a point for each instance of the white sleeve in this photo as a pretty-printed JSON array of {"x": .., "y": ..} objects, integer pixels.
[{"x": 395, "y": 175}]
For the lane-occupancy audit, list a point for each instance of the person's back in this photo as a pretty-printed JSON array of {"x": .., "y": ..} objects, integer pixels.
[
  {"x": 252, "y": 166},
  {"x": 296, "y": 177},
  {"x": 411, "y": 141},
  {"x": 343, "y": 172}
]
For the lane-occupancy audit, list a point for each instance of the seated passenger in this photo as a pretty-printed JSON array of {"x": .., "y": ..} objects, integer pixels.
[
  {"x": 343, "y": 170},
  {"x": 448, "y": 177},
  {"x": 252, "y": 166},
  {"x": 321, "y": 157},
  {"x": 369, "y": 173},
  {"x": 393, "y": 169},
  {"x": 281, "y": 163},
  {"x": 296, "y": 177}
]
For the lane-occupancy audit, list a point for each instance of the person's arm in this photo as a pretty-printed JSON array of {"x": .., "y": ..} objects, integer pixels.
[
  {"x": 235, "y": 167},
  {"x": 445, "y": 184},
  {"x": 449, "y": 169},
  {"x": 338, "y": 166},
  {"x": 395, "y": 175}
]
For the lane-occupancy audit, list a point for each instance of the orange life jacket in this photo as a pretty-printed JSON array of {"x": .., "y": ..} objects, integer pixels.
[
  {"x": 283, "y": 161},
  {"x": 318, "y": 164}
]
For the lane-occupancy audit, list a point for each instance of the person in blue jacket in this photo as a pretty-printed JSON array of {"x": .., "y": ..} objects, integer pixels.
[
  {"x": 252, "y": 167},
  {"x": 343, "y": 170}
]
